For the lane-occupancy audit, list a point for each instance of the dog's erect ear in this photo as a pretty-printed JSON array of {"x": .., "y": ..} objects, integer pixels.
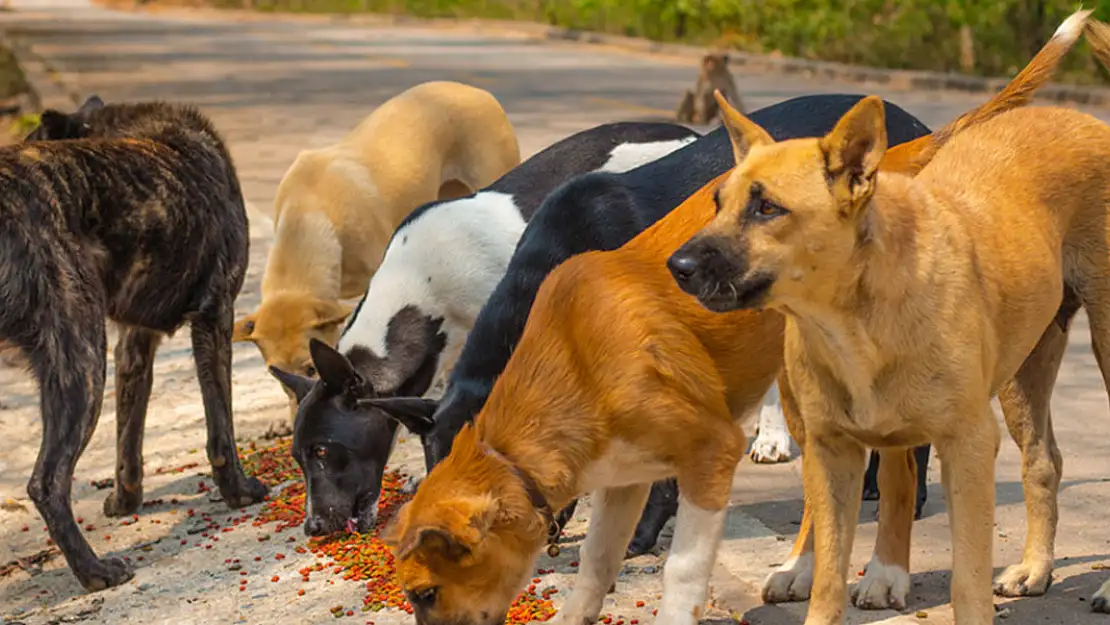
[
  {"x": 299, "y": 384},
  {"x": 853, "y": 151},
  {"x": 415, "y": 413},
  {"x": 330, "y": 314},
  {"x": 91, "y": 104},
  {"x": 744, "y": 133},
  {"x": 244, "y": 329},
  {"x": 334, "y": 368}
]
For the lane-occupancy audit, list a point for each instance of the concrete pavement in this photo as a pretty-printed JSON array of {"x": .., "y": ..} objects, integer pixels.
[{"x": 276, "y": 85}]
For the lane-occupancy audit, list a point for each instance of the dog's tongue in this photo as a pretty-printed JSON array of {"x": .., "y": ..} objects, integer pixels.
[{"x": 352, "y": 526}]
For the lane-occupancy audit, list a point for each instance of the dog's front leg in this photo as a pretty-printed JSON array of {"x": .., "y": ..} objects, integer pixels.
[
  {"x": 71, "y": 373},
  {"x": 1025, "y": 404},
  {"x": 772, "y": 442},
  {"x": 967, "y": 469},
  {"x": 211, "y": 337},
  {"x": 833, "y": 477},
  {"x": 662, "y": 504},
  {"x": 134, "y": 378},
  {"x": 886, "y": 579},
  {"x": 612, "y": 518},
  {"x": 697, "y": 536}
]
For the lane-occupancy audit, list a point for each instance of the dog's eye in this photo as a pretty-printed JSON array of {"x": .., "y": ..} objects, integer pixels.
[
  {"x": 425, "y": 597},
  {"x": 320, "y": 452},
  {"x": 767, "y": 210},
  {"x": 310, "y": 371}
]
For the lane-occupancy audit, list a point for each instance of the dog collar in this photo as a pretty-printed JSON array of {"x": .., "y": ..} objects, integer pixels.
[{"x": 539, "y": 502}]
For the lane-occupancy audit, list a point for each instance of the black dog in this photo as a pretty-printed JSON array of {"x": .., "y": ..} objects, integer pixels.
[
  {"x": 138, "y": 218},
  {"x": 603, "y": 212},
  {"x": 441, "y": 264}
]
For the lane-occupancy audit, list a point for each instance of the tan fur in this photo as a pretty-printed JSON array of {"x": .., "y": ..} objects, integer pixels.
[
  {"x": 619, "y": 379},
  {"x": 337, "y": 207},
  {"x": 911, "y": 301},
  {"x": 700, "y": 106}
]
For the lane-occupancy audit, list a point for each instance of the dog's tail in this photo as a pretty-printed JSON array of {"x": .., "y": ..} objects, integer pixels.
[{"x": 911, "y": 157}]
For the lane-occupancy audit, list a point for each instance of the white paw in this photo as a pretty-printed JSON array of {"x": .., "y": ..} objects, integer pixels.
[
  {"x": 883, "y": 586},
  {"x": 1024, "y": 580},
  {"x": 411, "y": 484},
  {"x": 771, "y": 446},
  {"x": 1101, "y": 601},
  {"x": 791, "y": 582}
]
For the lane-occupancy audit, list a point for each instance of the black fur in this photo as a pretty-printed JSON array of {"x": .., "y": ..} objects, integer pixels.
[
  {"x": 133, "y": 213},
  {"x": 352, "y": 423},
  {"x": 603, "y": 212}
]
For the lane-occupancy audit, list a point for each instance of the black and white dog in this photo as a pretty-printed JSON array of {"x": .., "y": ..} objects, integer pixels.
[
  {"x": 441, "y": 265},
  {"x": 601, "y": 211}
]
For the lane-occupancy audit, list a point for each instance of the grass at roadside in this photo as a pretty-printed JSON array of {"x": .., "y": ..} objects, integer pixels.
[{"x": 15, "y": 120}]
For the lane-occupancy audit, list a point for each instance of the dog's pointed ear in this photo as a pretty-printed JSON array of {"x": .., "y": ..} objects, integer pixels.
[
  {"x": 853, "y": 151},
  {"x": 415, "y": 413},
  {"x": 459, "y": 527},
  {"x": 299, "y": 384},
  {"x": 329, "y": 314},
  {"x": 743, "y": 132},
  {"x": 92, "y": 103},
  {"x": 243, "y": 329},
  {"x": 335, "y": 369}
]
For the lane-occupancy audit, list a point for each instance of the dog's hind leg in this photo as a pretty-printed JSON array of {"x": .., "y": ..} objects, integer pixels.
[
  {"x": 70, "y": 362},
  {"x": 134, "y": 359},
  {"x": 662, "y": 504},
  {"x": 1025, "y": 404},
  {"x": 211, "y": 337},
  {"x": 612, "y": 520},
  {"x": 886, "y": 579},
  {"x": 772, "y": 442},
  {"x": 967, "y": 459}
]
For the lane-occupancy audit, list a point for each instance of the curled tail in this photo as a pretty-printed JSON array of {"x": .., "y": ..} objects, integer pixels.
[{"x": 910, "y": 158}]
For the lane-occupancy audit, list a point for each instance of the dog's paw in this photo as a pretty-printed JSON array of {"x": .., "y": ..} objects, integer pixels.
[
  {"x": 278, "y": 428},
  {"x": 1024, "y": 580},
  {"x": 771, "y": 447},
  {"x": 243, "y": 492},
  {"x": 411, "y": 484},
  {"x": 105, "y": 573},
  {"x": 883, "y": 586},
  {"x": 122, "y": 503},
  {"x": 1101, "y": 601},
  {"x": 791, "y": 582}
]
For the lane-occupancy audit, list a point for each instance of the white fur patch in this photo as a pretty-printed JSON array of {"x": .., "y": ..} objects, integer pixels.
[
  {"x": 627, "y": 156},
  {"x": 1101, "y": 601},
  {"x": 623, "y": 464},
  {"x": 883, "y": 586},
  {"x": 1072, "y": 27},
  {"x": 686, "y": 572},
  {"x": 445, "y": 263},
  {"x": 772, "y": 443}
]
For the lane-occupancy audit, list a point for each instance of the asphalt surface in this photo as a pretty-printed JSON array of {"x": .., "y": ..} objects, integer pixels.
[{"x": 276, "y": 85}]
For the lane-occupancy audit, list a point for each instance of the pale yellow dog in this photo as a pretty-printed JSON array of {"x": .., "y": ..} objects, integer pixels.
[
  {"x": 337, "y": 207},
  {"x": 911, "y": 302}
]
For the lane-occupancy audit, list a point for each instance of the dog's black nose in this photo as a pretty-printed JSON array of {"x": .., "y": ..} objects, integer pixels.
[
  {"x": 683, "y": 266},
  {"x": 313, "y": 527}
]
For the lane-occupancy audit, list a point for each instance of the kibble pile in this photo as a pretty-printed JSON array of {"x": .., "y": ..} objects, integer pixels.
[{"x": 362, "y": 558}]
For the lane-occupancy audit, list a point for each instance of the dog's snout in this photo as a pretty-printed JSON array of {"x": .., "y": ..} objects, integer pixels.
[
  {"x": 682, "y": 266},
  {"x": 313, "y": 526}
]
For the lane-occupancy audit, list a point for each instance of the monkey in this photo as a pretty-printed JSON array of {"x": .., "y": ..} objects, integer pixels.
[{"x": 699, "y": 106}]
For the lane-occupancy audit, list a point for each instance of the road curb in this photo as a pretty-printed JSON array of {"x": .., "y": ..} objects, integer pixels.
[
  {"x": 48, "y": 89},
  {"x": 755, "y": 63}
]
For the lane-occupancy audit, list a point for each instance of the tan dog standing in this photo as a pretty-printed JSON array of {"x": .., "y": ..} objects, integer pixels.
[
  {"x": 618, "y": 380},
  {"x": 337, "y": 207},
  {"x": 910, "y": 302}
]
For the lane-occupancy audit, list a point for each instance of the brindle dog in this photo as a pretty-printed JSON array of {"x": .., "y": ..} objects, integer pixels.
[{"x": 132, "y": 213}]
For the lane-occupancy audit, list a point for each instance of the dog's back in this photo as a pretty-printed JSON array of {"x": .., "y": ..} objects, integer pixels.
[{"x": 153, "y": 213}]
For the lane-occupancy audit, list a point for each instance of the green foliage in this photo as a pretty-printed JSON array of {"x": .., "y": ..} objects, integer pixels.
[{"x": 903, "y": 34}]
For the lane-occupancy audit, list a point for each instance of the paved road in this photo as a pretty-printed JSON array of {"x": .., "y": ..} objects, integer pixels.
[{"x": 275, "y": 86}]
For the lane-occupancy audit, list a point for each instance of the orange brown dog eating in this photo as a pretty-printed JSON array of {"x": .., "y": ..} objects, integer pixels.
[
  {"x": 619, "y": 380},
  {"x": 911, "y": 302}
]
